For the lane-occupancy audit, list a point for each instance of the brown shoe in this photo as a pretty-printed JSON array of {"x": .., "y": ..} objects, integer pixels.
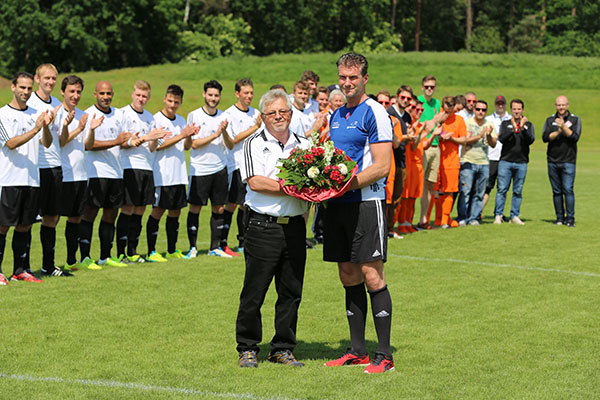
[{"x": 284, "y": 357}]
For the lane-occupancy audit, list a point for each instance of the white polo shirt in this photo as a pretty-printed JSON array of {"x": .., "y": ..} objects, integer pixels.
[
  {"x": 72, "y": 153},
  {"x": 261, "y": 157},
  {"x": 137, "y": 157},
  {"x": 212, "y": 157},
  {"x": 49, "y": 157},
  {"x": 105, "y": 163},
  {"x": 169, "y": 164},
  {"x": 495, "y": 152},
  {"x": 239, "y": 121}
]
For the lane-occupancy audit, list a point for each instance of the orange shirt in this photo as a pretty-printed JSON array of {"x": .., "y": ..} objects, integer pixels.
[{"x": 449, "y": 157}]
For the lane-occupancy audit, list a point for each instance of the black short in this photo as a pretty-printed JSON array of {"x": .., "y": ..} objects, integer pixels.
[
  {"x": 50, "y": 191},
  {"x": 493, "y": 176},
  {"x": 355, "y": 232},
  {"x": 170, "y": 197},
  {"x": 139, "y": 187},
  {"x": 73, "y": 199},
  {"x": 19, "y": 205},
  {"x": 213, "y": 187},
  {"x": 105, "y": 192},
  {"x": 237, "y": 189}
]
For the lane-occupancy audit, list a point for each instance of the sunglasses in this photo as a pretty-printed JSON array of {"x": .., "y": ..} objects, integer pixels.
[
  {"x": 480, "y": 109},
  {"x": 429, "y": 87},
  {"x": 472, "y": 101},
  {"x": 385, "y": 103},
  {"x": 405, "y": 98}
]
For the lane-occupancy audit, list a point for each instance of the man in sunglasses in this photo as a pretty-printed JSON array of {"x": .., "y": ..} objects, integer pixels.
[{"x": 468, "y": 112}]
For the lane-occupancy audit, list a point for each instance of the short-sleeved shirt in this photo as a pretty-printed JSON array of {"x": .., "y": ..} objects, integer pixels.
[
  {"x": 354, "y": 129},
  {"x": 50, "y": 156},
  {"x": 105, "y": 163},
  {"x": 495, "y": 152},
  {"x": 19, "y": 167},
  {"x": 262, "y": 152},
  {"x": 300, "y": 122},
  {"x": 212, "y": 157},
  {"x": 139, "y": 157},
  {"x": 477, "y": 153},
  {"x": 72, "y": 154},
  {"x": 239, "y": 121},
  {"x": 449, "y": 157},
  {"x": 430, "y": 108},
  {"x": 169, "y": 164}
]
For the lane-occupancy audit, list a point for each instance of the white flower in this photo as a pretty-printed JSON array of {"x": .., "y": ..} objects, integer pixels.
[
  {"x": 343, "y": 169},
  {"x": 329, "y": 150},
  {"x": 313, "y": 172}
]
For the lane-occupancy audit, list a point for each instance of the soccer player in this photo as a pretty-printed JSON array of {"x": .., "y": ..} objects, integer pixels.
[
  {"x": 105, "y": 176},
  {"x": 137, "y": 159},
  {"x": 311, "y": 78},
  {"x": 20, "y": 138},
  {"x": 208, "y": 170},
  {"x": 304, "y": 124}
]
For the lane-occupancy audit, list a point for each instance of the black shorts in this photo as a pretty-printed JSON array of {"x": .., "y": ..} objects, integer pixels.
[
  {"x": 493, "y": 176},
  {"x": 170, "y": 197},
  {"x": 105, "y": 192},
  {"x": 213, "y": 187},
  {"x": 73, "y": 199},
  {"x": 237, "y": 189},
  {"x": 355, "y": 232},
  {"x": 19, "y": 205},
  {"x": 50, "y": 191},
  {"x": 139, "y": 187}
]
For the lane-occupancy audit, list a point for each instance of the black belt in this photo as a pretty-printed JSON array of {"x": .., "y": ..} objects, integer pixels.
[{"x": 270, "y": 218}]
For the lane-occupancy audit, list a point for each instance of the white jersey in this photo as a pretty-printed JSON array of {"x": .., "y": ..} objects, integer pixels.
[
  {"x": 239, "y": 121},
  {"x": 300, "y": 122},
  {"x": 71, "y": 154},
  {"x": 137, "y": 157},
  {"x": 105, "y": 163},
  {"x": 212, "y": 157},
  {"x": 495, "y": 152},
  {"x": 49, "y": 157},
  {"x": 19, "y": 167},
  {"x": 169, "y": 164}
]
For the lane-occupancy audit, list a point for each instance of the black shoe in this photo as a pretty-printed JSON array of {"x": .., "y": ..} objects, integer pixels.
[
  {"x": 284, "y": 357},
  {"x": 248, "y": 359},
  {"x": 570, "y": 224},
  {"x": 55, "y": 272}
]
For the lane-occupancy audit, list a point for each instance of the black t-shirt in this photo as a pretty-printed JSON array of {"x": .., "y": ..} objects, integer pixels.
[{"x": 516, "y": 141}]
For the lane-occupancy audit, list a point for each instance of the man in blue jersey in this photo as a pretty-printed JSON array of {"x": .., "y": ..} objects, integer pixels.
[{"x": 355, "y": 230}]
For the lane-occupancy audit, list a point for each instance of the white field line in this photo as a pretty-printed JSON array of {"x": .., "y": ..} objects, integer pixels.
[
  {"x": 138, "y": 387},
  {"x": 497, "y": 265}
]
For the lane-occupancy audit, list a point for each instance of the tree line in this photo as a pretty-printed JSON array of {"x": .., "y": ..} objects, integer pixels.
[{"x": 103, "y": 34}]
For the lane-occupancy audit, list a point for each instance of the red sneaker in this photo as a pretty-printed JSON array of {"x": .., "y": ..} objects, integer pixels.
[
  {"x": 348, "y": 358},
  {"x": 230, "y": 252},
  {"x": 3, "y": 280},
  {"x": 25, "y": 276},
  {"x": 381, "y": 363}
]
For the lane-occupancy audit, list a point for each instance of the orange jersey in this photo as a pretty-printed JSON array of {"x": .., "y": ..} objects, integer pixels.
[
  {"x": 413, "y": 188},
  {"x": 449, "y": 156},
  {"x": 389, "y": 186}
]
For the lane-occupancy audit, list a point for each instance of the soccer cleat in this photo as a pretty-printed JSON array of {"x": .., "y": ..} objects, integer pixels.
[
  {"x": 227, "y": 250},
  {"x": 239, "y": 249},
  {"x": 55, "y": 272},
  {"x": 25, "y": 276},
  {"x": 112, "y": 262},
  {"x": 155, "y": 257},
  {"x": 176, "y": 255},
  {"x": 72, "y": 267},
  {"x": 381, "y": 363},
  {"x": 284, "y": 357},
  {"x": 498, "y": 219},
  {"x": 248, "y": 359},
  {"x": 3, "y": 280},
  {"x": 516, "y": 220},
  {"x": 89, "y": 264},
  {"x": 219, "y": 253},
  {"x": 193, "y": 253},
  {"x": 348, "y": 358},
  {"x": 135, "y": 259}
]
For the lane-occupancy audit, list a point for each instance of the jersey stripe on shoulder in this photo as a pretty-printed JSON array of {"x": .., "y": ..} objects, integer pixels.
[
  {"x": 3, "y": 133},
  {"x": 382, "y": 120},
  {"x": 248, "y": 152}
]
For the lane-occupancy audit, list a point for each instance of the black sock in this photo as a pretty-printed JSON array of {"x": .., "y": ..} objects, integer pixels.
[
  {"x": 85, "y": 238},
  {"x": 72, "y": 236},
  {"x": 172, "y": 226},
  {"x": 381, "y": 305},
  {"x": 151, "y": 233},
  {"x": 356, "y": 311},
  {"x": 216, "y": 230},
  {"x": 27, "y": 266},
  {"x": 241, "y": 227},
  {"x": 133, "y": 234},
  {"x": 227, "y": 217},
  {"x": 192, "y": 228},
  {"x": 122, "y": 230},
  {"x": 48, "y": 239},
  {"x": 106, "y": 233},
  {"x": 19, "y": 248},
  {"x": 2, "y": 248}
]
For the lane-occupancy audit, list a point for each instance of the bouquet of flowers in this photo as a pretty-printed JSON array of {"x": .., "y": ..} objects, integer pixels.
[{"x": 317, "y": 173}]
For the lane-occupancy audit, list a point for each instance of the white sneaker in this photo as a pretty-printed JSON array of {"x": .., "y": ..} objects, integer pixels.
[
  {"x": 474, "y": 222},
  {"x": 192, "y": 253},
  {"x": 219, "y": 253},
  {"x": 498, "y": 219},
  {"x": 462, "y": 223},
  {"x": 516, "y": 220}
]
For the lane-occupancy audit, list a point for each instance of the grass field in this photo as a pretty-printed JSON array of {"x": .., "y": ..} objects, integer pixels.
[{"x": 504, "y": 311}]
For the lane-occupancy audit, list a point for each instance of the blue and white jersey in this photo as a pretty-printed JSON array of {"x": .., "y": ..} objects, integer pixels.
[{"x": 354, "y": 130}]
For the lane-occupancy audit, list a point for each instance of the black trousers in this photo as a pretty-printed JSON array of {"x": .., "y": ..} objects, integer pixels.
[{"x": 277, "y": 251}]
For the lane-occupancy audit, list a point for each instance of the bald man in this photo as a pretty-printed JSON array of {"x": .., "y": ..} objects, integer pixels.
[{"x": 562, "y": 131}]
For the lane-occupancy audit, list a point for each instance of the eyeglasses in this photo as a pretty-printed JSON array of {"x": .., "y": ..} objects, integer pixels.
[
  {"x": 472, "y": 101},
  {"x": 419, "y": 109},
  {"x": 430, "y": 87},
  {"x": 385, "y": 103},
  {"x": 405, "y": 97},
  {"x": 283, "y": 113},
  {"x": 480, "y": 109}
]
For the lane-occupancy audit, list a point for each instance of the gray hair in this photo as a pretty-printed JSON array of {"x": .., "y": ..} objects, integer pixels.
[
  {"x": 336, "y": 92},
  {"x": 272, "y": 96}
]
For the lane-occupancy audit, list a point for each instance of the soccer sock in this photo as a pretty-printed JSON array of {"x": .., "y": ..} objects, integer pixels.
[
  {"x": 227, "y": 217},
  {"x": 192, "y": 228},
  {"x": 133, "y": 236},
  {"x": 446, "y": 201},
  {"x": 151, "y": 233},
  {"x": 122, "y": 225},
  {"x": 241, "y": 227},
  {"x": 172, "y": 226},
  {"x": 19, "y": 248},
  {"x": 2, "y": 248},
  {"x": 356, "y": 311},
  {"x": 48, "y": 239},
  {"x": 410, "y": 214},
  {"x": 72, "y": 236},
  {"x": 28, "y": 250},
  {"x": 438, "y": 209},
  {"x": 106, "y": 233},
  {"x": 381, "y": 305},
  {"x": 216, "y": 230},
  {"x": 85, "y": 238}
]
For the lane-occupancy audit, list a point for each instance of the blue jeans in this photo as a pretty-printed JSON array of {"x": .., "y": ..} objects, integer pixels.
[
  {"x": 508, "y": 171},
  {"x": 473, "y": 180},
  {"x": 562, "y": 180}
]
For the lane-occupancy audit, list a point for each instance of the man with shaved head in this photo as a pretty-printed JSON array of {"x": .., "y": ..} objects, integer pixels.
[{"x": 561, "y": 132}]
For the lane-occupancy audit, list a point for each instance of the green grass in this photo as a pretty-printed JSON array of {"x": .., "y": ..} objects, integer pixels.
[{"x": 479, "y": 312}]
